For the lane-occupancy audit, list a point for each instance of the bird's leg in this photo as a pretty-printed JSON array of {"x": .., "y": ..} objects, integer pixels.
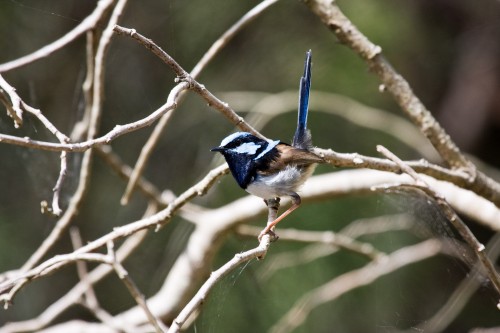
[
  {"x": 273, "y": 205},
  {"x": 270, "y": 225}
]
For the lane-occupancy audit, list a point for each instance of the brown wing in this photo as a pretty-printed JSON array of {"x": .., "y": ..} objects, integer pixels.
[{"x": 291, "y": 155}]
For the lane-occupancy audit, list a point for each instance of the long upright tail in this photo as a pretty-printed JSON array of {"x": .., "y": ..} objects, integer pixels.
[{"x": 302, "y": 137}]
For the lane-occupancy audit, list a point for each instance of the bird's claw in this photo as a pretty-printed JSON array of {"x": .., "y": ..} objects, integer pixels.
[{"x": 270, "y": 232}]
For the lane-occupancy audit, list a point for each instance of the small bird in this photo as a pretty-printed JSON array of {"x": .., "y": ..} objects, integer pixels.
[{"x": 273, "y": 169}]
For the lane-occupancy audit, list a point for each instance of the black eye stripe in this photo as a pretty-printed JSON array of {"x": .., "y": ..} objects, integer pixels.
[{"x": 236, "y": 143}]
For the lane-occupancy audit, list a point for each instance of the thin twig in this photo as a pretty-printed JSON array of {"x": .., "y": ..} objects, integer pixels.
[
  {"x": 18, "y": 105},
  {"x": 56, "y": 210},
  {"x": 352, "y": 280},
  {"x": 218, "y": 45},
  {"x": 354, "y": 229},
  {"x": 116, "y": 132},
  {"x": 134, "y": 290},
  {"x": 157, "y": 220},
  {"x": 183, "y": 75},
  {"x": 215, "y": 277},
  {"x": 449, "y": 212},
  {"x": 15, "y": 284},
  {"x": 89, "y": 299},
  {"x": 51, "y": 312},
  {"x": 14, "y": 106},
  {"x": 85, "y": 169},
  {"x": 330, "y": 238},
  {"x": 482, "y": 185},
  {"x": 393, "y": 82},
  {"x": 88, "y": 23}
]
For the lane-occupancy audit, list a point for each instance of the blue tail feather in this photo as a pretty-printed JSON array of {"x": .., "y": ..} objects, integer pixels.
[{"x": 302, "y": 137}]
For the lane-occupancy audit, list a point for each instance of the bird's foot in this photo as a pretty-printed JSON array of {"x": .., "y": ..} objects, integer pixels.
[{"x": 270, "y": 232}]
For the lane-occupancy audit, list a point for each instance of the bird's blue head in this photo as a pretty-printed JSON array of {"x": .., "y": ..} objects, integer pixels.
[{"x": 244, "y": 154}]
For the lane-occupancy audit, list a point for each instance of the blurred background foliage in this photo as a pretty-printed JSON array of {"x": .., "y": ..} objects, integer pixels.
[{"x": 447, "y": 49}]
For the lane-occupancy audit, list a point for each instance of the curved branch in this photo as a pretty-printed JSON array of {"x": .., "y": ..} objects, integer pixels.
[
  {"x": 88, "y": 23},
  {"x": 218, "y": 45},
  {"x": 392, "y": 81},
  {"x": 354, "y": 279},
  {"x": 116, "y": 132}
]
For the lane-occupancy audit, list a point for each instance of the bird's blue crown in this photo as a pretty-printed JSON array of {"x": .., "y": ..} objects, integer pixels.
[{"x": 245, "y": 154}]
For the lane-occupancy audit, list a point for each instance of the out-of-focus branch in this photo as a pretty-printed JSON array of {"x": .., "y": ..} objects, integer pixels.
[
  {"x": 357, "y": 228},
  {"x": 212, "y": 226},
  {"x": 12, "y": 285},
  {"x": 451, "y": 215},
  {"x": 333, "y": 239},
  {"x": 88, "y": 23},
  {"x": 218, "y": 45},
  {"x": 89, "y": 299},
  {"x": 73, "y": 296},
  {"x": 148, "y": 189},
  {"x": 85, "y": 170},
  {"x": 460, "y": 297},
  {"x": 352, "y": 280},
  {"x": 348, "y": 33},
  {"x": 393, "y": 82},
  {"x": 194, "y": 85},
  {"x": 15, "y": 109},
  {"x": 263, "y": 107},
  {"x": 116, "y": 132},
  {"x": 215, "y": 277}
]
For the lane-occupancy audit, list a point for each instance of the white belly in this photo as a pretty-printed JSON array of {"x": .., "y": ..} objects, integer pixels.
[{"x": 285, "y": 183}]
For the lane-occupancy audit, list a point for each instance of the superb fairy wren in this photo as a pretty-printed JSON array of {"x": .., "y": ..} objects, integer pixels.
[{"x": 273, "y": 169}]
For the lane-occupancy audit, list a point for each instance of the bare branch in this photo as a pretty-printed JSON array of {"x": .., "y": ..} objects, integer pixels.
[
  {"x": 202, "y": 294},
  {"x": 14, "y": 105},
  {"x": 348, "y": 33},
  {"x": 193, "y": 84},
  {"x": 462, "y": 294},
  {"x": 352, "y": 280},
  {"x": 148, "y": 148},
  {"x": 116, "y": 132},
  {"x": 88, "y": 23},
  {"x": 85, "y": 169},
  {"x": 134, "y": 291},
  {"x": 156, "y": 220},
  {"x": 266, "y": 106},
  {"x": 15, "y": 110},
  {"x": 194, "y": 262},
  {"x": 450, "y": 214},
  {"x": 74, "y": 295},
  {"x": 89, "y": 299},
  {"x": 357, "y": 228},
  {"x": 333, "y": 239}
]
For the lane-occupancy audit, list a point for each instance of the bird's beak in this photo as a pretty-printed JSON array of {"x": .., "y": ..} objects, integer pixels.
[{"x": 219, "y": 149}]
